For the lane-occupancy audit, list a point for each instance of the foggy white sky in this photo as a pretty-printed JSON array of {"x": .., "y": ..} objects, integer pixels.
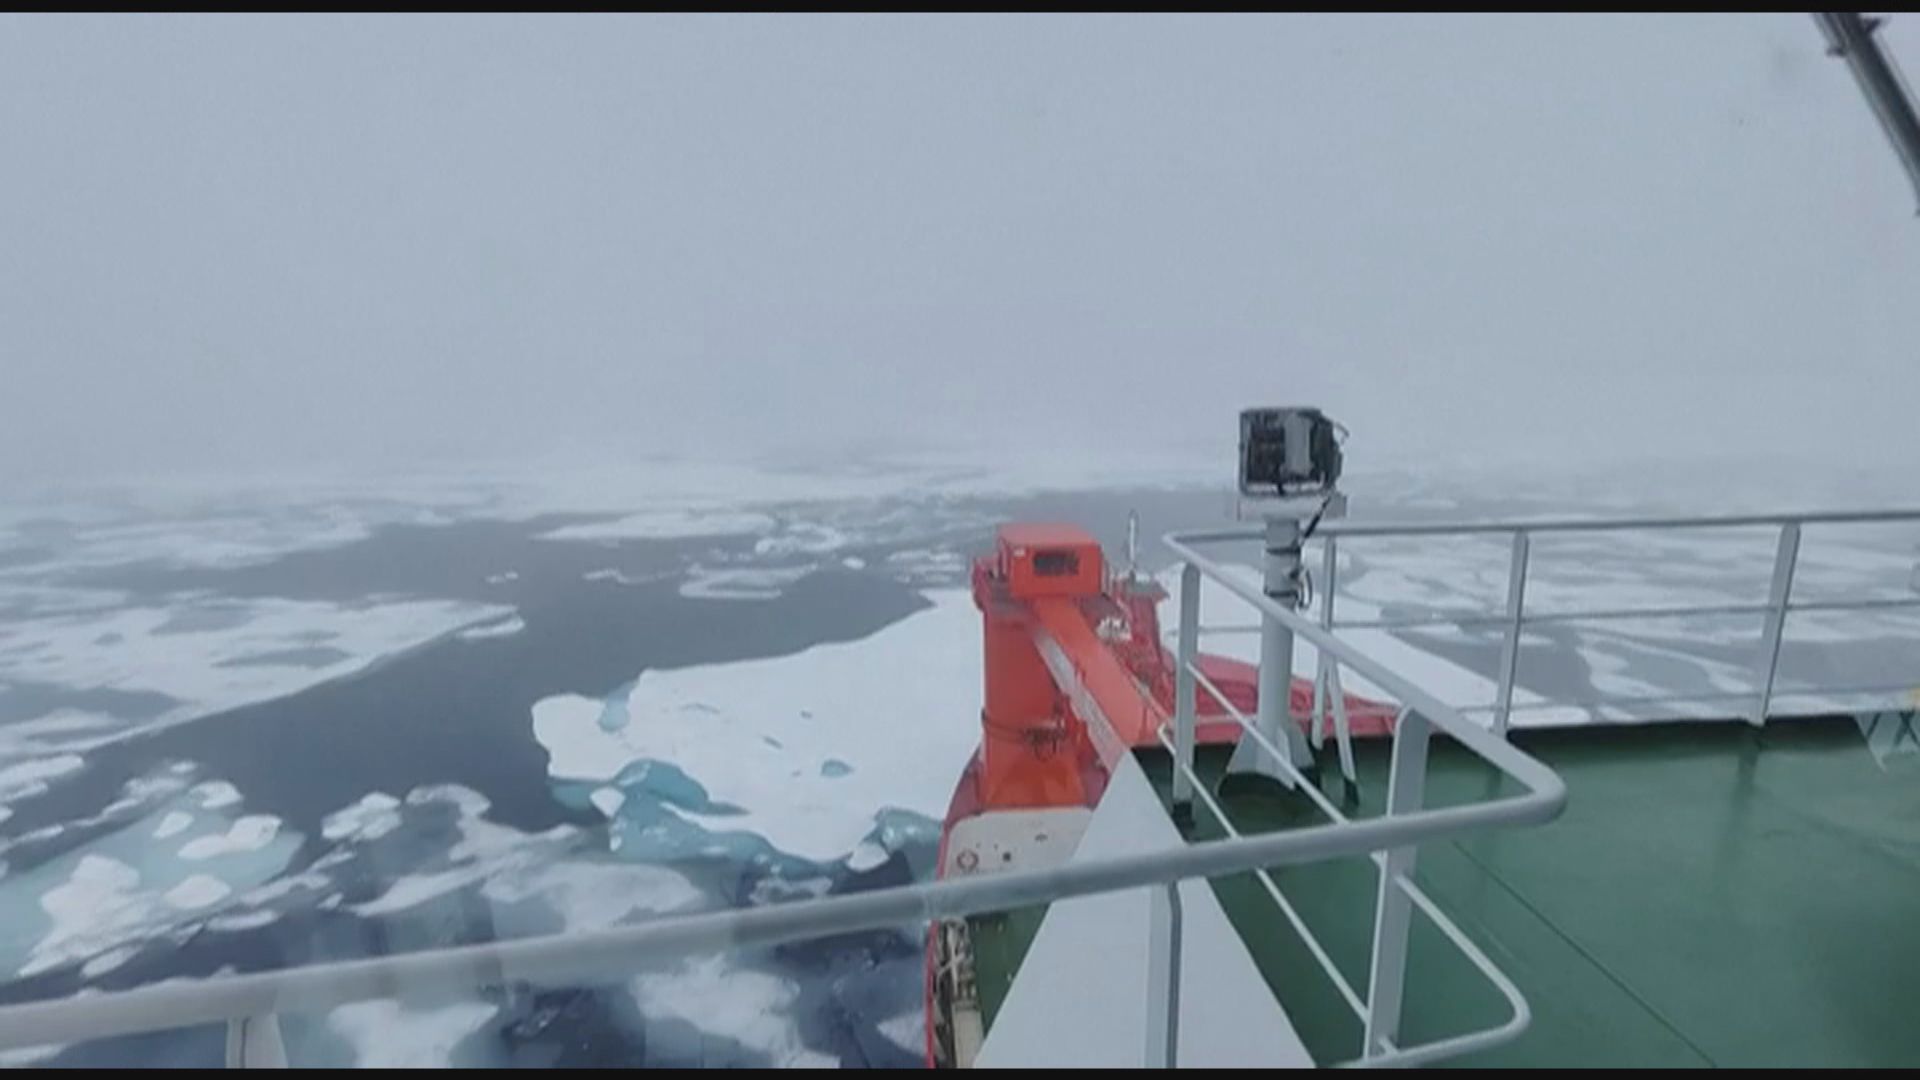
[{"x": 258, "y": 243}]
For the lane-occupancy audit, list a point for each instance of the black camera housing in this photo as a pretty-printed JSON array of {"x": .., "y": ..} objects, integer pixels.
[{"x": 1288, "y": 451}]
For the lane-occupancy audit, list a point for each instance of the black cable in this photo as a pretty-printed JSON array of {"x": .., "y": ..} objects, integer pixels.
[{"x": 1313, "y": 522}]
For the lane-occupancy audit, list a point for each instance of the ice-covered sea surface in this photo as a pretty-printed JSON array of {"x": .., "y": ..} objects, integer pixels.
[{"x": 245, "y": 729}]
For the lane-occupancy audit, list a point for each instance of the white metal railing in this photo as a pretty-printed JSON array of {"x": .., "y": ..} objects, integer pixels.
[
  {"x": 249, "y": 1004},
  {"x": 1379, "y": 1012},
  {"x": 1773, "y": 612}
]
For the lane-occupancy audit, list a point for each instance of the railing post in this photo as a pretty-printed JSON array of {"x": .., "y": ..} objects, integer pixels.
[
  {"x": 253, "y": 1042},
  {"x": 1329, "y": 561},
  {"x": 1163, "y": 978},
  {"x": 1327, "y": 689},
  {"x": 1343, "y": 729},
  {"x": 1785, "y": 558},
  {"x": 1183, "y": 693},
  {"x": 1516, "y": 606},
  {"x": 1393, "y": 915}
]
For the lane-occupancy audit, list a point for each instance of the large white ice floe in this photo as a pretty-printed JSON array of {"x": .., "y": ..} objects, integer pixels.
[{"x": 802, "y": 750}]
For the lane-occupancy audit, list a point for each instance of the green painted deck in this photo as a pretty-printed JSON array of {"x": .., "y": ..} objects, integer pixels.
[
  {"x": 1712, "y": 896},
  {"x": 1000, "y": 940}
]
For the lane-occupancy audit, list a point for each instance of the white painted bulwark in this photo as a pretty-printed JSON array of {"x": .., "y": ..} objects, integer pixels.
[
  {"x": 1002, "y": 840},
  {"x": 1080, "y": 998}
]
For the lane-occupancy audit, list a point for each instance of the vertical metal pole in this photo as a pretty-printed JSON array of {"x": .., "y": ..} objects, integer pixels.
[
  {"x": 1274, "y": 718},
  {"x": 1183, "y": 693},
  {"x": 1393, "y": 916},
  {"x": 1516, "y": 605},
  {"x": 1276, "y": 640},
  {"x": 1163, "y": 978},
  {"x": 253, "y": 1042},
  {"x": 1785, "y": 558},
  {"x": 1329, "y": 562}
]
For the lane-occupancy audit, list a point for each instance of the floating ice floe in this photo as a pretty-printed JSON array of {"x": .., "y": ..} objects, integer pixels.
[
  {"x": 753, "y": 1007},
  {"x": 116, "y": 893},
  {"x": 747, "y": 583},
  {"x": 250, "y": 833},
  {"x": 801, "y": 538},
  {"x": 804, "y": 751},
  {"x": 215, "y": 794},
  {"x": 621, "y": 577},
  {"x": 209, "y": 654},
  {"x": 58, "y": 733},
  {"x": 918, "y": 566},
  {"x": 374, "y": 816},
  {"x": 511, "y": 867},
  {"x": 173, "y": 824},
  {"x": 25, "y": 779},
  {"x": 198, "y": 891},
  {"x": 669, "y": 524},
  {"x": 498, "y": 628},
  {"x": 608, "y": 800},
  {"x": 389, "y": 1035}
]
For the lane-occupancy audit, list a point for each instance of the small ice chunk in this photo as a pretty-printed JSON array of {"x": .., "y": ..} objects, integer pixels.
[
  {"x": 753, "y": 1008},
  {"x": 374, "y": 816},
  {"x": 496, "y": 628},
  {"x": 107, "y": 961},
  {"x": 866, "y": 855},
  {"x": 173, "y": 824},
  {"x": 215, "y": 794},
  {"x": 621, "y": 577},
  {"x": 250, "y": 833},
  {"x": 908, "y": 1031},
  {"x": 608, "y": 800},
  {"x": 246, "y": 920},
  {"x": 198, "y": 891},
  {"x": 470, "y": 802},
  {"x": 668, "y": 524},
  {"x": 387, "y": 1034},
  {"x": 749, "y": 583}
]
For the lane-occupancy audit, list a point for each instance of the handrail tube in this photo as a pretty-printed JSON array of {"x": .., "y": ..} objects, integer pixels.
[
  {"x": 1591, "y": 615},
  {"x": 1349, "y": 527},
  {"x": 571, "y": 959}
]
